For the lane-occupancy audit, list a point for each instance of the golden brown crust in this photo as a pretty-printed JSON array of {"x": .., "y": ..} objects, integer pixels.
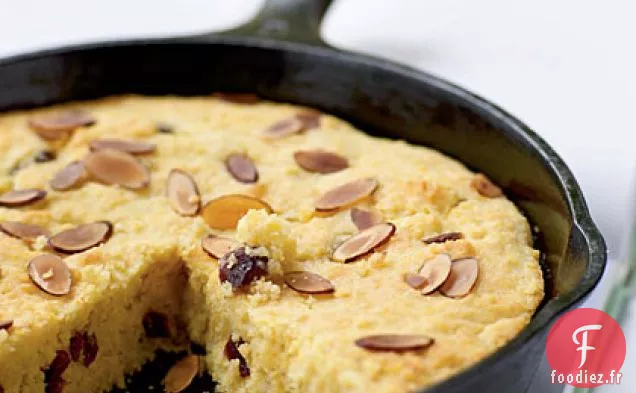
[{"x": 310, "y": 337}]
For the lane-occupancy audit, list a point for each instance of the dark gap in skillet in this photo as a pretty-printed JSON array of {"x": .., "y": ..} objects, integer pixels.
[{"x": 378, "y": 97}]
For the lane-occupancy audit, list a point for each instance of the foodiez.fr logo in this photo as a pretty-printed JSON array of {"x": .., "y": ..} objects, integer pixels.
[{"x": 586, "y": 348}]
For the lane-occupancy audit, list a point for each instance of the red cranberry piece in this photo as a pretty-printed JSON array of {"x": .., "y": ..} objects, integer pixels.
[
  {"x": 1, "y": 389},
  {"x": 59, "y": 364},
  {"x": 90, "y": 349},
  {"x": 55, "y": 386},
  {"x": 77, "y": 345},
  {"x": 232, "y": 352},
  {"x": 156, "y": 325},
  {"x": 243, "y": 266},
  {"x": 53, "y": 374}
]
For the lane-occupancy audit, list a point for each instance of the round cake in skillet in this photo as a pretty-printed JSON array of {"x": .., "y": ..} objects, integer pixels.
[{"x": 301, "y": 253}]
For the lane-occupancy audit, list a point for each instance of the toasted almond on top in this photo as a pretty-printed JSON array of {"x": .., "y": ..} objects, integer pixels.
[
  {"x": 310, "y": 118},
  {"x": 301, "y": 121},
  {"x": 346, "y": 194},
  {"x": 436, "y": 271},
  {"x": 283, "y": 128},
  {"x": 128, "y": 146},
  {"x": 16, "y": 198},
  {"x": 218, "y": 246},
  {"x": 320, "y": 161},
  {"x": 23, "y": 231},
  {"x": 238, "y": 98},
  {"x": 462, "y": 278},
  {"x": 56, "y": 126},
  {"x": 69, "y": 176},
  {"x": 485, "y": 187},
  {"x": 364, "y": 219},
  {"x": 117, "y": 167},
  {"x": 51, "y": 274},
  {"x": 183, "y": 193},
  {"x": 180, "y": 376},
  {"x": 242, "y": 168},
  {"x": 444, "y": 237},
  {"x": 225, "y": 212},
  {"x": 395, "y": 342},
  {"x": 307, "y": 282},
  {"x": 415, "y": 281},
  {"x": 82, "y": 237},
  {"x": 5, "y": 324},
  {"x": 363, "y": 242}
]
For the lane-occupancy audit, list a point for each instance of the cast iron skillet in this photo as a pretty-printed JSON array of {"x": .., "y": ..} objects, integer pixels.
[{"x": 280, "y": 56}]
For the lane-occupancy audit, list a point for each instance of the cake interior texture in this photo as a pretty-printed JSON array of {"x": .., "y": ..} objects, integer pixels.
[{"x": 151, "y": 285}]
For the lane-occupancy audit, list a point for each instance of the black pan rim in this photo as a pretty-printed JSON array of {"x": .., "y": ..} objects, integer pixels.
[{"x": 579, "y": 212}]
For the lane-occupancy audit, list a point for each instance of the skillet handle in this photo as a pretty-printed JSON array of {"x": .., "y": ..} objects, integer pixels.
[{"x": 286, "y": 20}]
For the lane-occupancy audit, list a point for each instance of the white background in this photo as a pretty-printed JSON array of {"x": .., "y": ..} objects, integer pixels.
[{"x": 566, "y": 67}]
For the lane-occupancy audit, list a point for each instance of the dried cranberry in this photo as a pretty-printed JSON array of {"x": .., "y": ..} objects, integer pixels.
[
  {"x": 156, "y": 324},
  {"x": 59, "y": 364},
  {"x": 55, "y": 386},
  {"x": 53, "y": 374},
  {"x": 90, "y": 349},
  {"x": 232, "y": 352},
  {"x": 243, "y": 265},
  {"x": 44, "y": 156},
  {"x": 77, "y": 345},
  {"x": 1, "y": 389}
]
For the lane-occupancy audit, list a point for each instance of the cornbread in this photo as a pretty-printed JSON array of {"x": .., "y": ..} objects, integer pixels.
[{"x": 304, "y": 255}]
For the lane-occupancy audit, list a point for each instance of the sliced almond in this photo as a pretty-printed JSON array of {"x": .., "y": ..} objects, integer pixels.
[
  {"x": 307, "y": 282},
  {"x": 226, "y": 211},
  {"x": 183, "y": 193},
  {"x": 58, "y": 125},
  {"x": 82, "y": 237},
  {"x": 395, "y": 342},
  {"x": 444, "y": 237},
  {"x": 485, "y": 187},
  {"x": 69, "y": 177},
  {"x": 346, "y": 194},
  {"x": 363, "y": 242},
  {"x": 415, "y": 281},
  {"x": 117, "y": 167},
  {"x": 462, "y": 278},
  {"x": 132, "y": 147},
  {"x": 180, "y": 376},
  {"x": 242, "y": 168},
  {"x": 238, "y": 98},
  {"x": 310, "y": 118},
  {"x": 364, "y": 219},
  {"x": 283, "y": 128},
  {"x": 50, "y": 274},
  {"x": 320, "y": 161},
  {"x": 23, "y": 231},
  {"x": 436, "y": 272},
  {"x": 5, "y": 324},
  {"x": 24, "y": 197},
  {"x": 218, "y": 246}
]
